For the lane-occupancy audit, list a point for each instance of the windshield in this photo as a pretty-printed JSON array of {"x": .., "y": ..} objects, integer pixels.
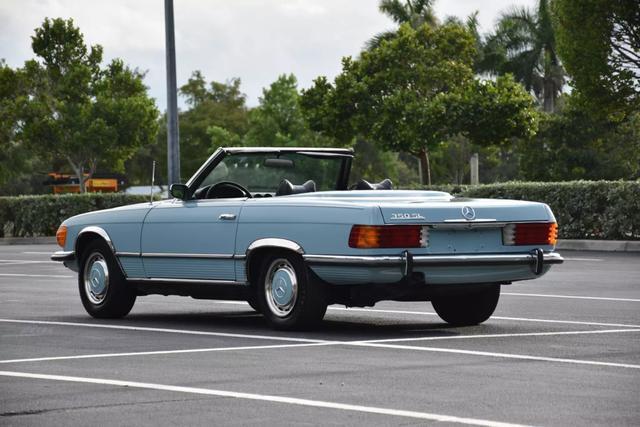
[{"x": 263, "y": 172}]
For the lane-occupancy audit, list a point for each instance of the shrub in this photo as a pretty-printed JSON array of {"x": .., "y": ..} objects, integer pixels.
[{"x": 24, "y": 216}]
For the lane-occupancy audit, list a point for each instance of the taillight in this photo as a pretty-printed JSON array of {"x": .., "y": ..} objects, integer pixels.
[
  {"x": 61, "y": 235},
  {"x": 530, "y": 233},
  {"x": 388, "y": 236}
]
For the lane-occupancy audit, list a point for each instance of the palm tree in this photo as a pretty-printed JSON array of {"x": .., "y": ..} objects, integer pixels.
[
  {"x": 415, "y": 12},
  {"x": 524, "y": 45}
]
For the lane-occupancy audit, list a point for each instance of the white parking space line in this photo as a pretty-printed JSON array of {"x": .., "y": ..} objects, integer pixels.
[
  {"x": 570, "y": 297},
  {"x": 37, "y": 253},
  {"x": 164, "y": 330},
  {"x": 486, "y": 336},
  {"x": 583, "y": 259},
  {"x": 163, "y": 352},
  {"x": 25, "y": 261},
  {"x": 517, "y": 319},
  {"x": 50, "y": 276},
  {"x": 498, "y": 355},
  {"x": 265, "y": 398}
]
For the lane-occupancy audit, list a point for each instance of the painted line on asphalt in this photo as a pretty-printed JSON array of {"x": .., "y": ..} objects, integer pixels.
[
  {"x": 517, "y": 319},
  {"x": 51, "y": 276},
  {"x": 583, "y": 259},
  {"x": 484, "y": 336},
  {"x": 571, "y": 297},
  {"x": 498, "y": 355},
  {"x": 37, "y": 253},
  {"x": 265, "y": 398},
  {"x": 316, "y": 344},
  {"x": 163, "y": 352},
  {"x": 163, "y": 330},
  {"x": 25, "y": 261}
]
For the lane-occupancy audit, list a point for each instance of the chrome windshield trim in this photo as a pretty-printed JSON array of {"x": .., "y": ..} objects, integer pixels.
[
  {"x": 435, "y": 260},
  {"x": 185, "y": 255}
]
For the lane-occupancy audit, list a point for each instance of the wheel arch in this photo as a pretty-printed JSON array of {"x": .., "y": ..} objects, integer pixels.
[
  {"x": 258, "y": 249},
  {"x": 88, "y": 235}
]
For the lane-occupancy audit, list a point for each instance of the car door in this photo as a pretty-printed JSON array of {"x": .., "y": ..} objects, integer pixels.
[{"x": 192, "y": 240}]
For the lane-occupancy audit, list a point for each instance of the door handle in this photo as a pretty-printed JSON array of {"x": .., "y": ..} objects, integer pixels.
[{"x": 227, "y": 217}]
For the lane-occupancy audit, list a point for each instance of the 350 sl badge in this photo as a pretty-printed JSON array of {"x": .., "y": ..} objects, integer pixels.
[{"x": 406, "y": 216}]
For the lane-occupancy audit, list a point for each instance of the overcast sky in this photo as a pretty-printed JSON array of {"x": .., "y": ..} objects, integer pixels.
[{"x": 255, "y": 40}]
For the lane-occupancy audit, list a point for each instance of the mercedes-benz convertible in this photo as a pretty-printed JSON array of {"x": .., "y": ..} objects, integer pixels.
[{"x": 287, "y": 231}]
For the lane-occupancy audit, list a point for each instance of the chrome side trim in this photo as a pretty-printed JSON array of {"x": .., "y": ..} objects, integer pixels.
[
  {"x": 128, "y": 254},
  {"x": 202, "y": 281},
  {"x": 63, "y": 256},
  {"x": 185, "y": 255},
  {"x": 274, "y": 242},
  {"x": 436, "y": 260}
]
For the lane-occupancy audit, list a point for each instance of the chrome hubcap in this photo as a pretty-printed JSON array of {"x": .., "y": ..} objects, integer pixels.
[
  {"x": 96, "y": 278},
  {"x": 281, "y": 287}
]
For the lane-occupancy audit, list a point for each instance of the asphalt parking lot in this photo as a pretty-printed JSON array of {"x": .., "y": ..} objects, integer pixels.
[{"x": 562, "y": 350}]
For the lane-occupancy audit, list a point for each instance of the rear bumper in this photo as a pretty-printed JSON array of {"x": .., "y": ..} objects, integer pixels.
[{"x": 537, "y": 260}]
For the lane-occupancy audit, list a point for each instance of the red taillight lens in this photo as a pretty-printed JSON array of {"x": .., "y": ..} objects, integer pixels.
[
  {"x": 387, "y": 236},
  {"x": 533, "y": 233}
]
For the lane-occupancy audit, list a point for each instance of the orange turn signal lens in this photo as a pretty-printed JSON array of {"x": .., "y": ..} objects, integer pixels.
[
  {"x": 534, "y": 233},
  {"x": 61, "y": 235},
  {"x": 388, "y": 236}
]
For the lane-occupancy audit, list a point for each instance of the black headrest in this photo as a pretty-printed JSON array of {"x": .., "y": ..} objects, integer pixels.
[
  {"x": 286, "y": 187},
  {"x": 382, "y": 185}
]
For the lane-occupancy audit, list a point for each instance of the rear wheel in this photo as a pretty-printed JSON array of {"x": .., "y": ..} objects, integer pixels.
[
  {"x": 285, "y": 295},
  {"x": 103, "y": 289},
  {"x": 468, "y": 309}
]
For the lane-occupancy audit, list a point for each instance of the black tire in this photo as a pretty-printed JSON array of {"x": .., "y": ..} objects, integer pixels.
[
  {"x": 103, "y": 289},
  {"x": 470, "y": 308},
  {"x": 297, "y": 302}
]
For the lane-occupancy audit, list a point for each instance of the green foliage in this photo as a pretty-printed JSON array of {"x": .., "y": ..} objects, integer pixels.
[
  {"x": 599, "y": 42},
  {"x": 278, "y": 120},
  {"x": 79, "y": 111},
  {"x": 417, "y": 90},
  {"x": 584, "y": 209},
  {"x": 524, "y": 45},
  {"x": 217, "y": 105},
  {"x": 25, "y": 216},
  {"x": 578, "y": 144}
]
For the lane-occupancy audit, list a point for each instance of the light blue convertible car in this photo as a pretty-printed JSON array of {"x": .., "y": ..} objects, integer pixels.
[{"x": 285, "y": 230}]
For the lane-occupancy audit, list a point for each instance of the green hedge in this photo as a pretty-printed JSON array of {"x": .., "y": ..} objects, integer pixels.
[
  {"x": 24, "y": 216},
  {"x": 584, "y": 209}
]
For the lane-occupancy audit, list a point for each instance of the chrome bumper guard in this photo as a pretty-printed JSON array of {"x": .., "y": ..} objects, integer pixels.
[
  {"x": 536, "y": 259},
  {"x": 63, "y": 256}
]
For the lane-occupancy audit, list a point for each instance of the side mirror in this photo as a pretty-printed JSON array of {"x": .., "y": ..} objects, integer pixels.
[{"x": 179, "y": 191}]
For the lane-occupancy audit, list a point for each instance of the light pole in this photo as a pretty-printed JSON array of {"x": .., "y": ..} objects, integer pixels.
[{"x": 173, "y": 137}]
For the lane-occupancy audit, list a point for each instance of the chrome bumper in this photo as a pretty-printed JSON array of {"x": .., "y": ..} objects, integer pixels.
[
  {"x": 536, "y": 259},
  {"x": 63, "y": 256}
]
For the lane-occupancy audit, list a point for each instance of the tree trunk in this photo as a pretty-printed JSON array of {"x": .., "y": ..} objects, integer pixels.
[
  {"x": 78, "y": 169},
  {"x": 549, "y": 94},
  {"x": 425, "y": 166}
]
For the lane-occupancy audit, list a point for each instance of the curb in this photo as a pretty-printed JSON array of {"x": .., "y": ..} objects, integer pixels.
[
  {"x": 564, "y": 244},
  {"x": 599, "y": 245}
]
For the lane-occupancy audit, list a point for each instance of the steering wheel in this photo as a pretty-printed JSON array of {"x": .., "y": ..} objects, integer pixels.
[{"x": 212, "y": 190}]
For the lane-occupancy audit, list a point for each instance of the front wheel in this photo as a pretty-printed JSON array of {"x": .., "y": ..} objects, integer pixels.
[
  {"x": 468, "y": 309},
  {"x": 103, "y": 289},
  {"x": 286, "y": 296}
]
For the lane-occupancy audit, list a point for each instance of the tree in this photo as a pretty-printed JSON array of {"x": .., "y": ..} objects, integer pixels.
[
  {"x": 524, "y": 45},
  {"x": 413, "y": 12},
  {"x": 416, "y": 91},
  {"x": 216, "y": 104},
  {"x": 78, "y": 111},
  {"x": 599, "y": 42}
]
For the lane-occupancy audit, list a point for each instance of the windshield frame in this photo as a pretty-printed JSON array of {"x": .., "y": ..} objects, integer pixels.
[{"x": 346, "y": 154}]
